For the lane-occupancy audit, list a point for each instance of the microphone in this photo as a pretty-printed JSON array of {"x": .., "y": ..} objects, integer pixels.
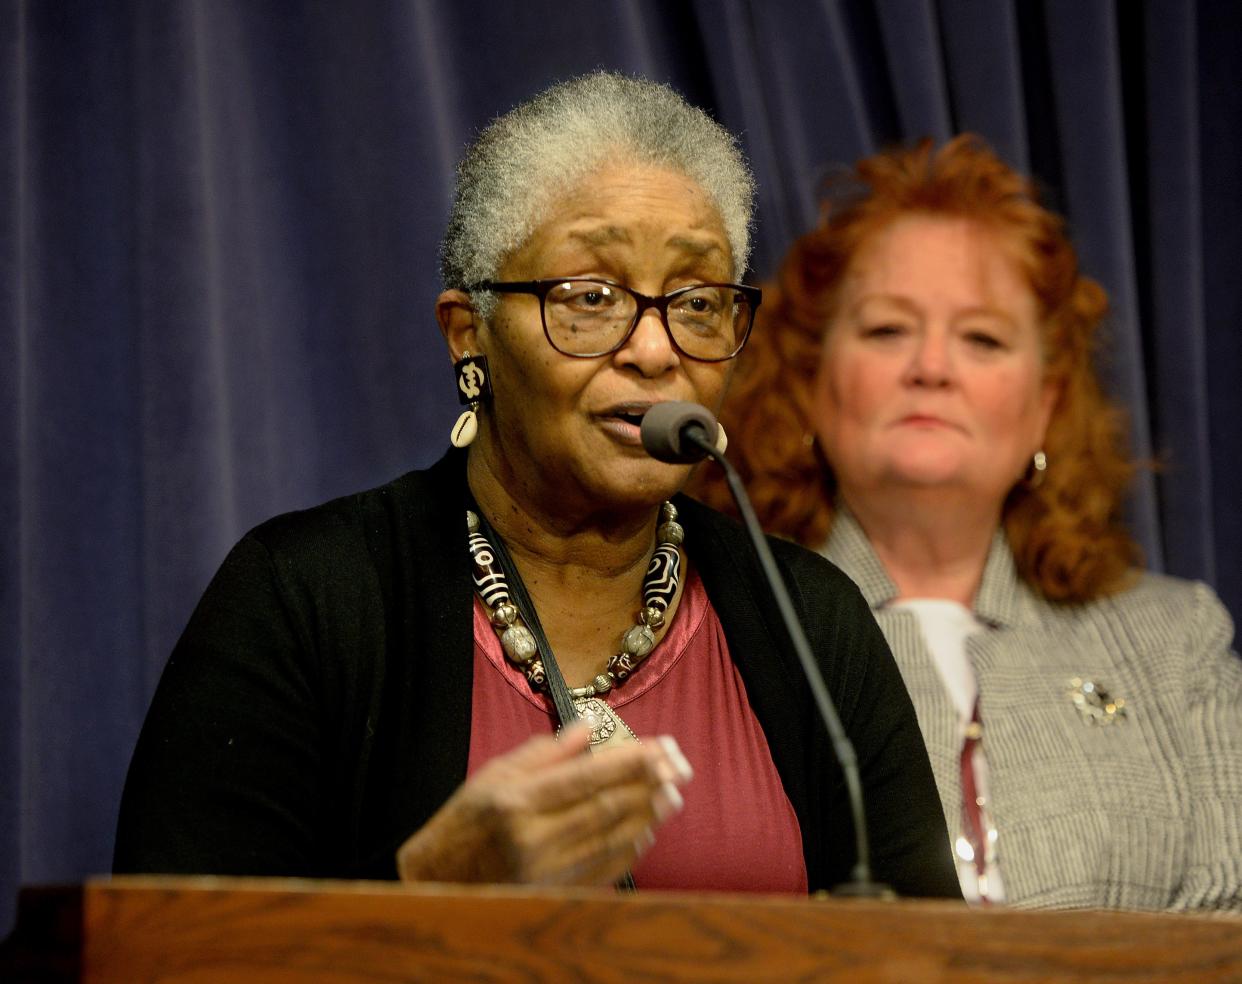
[
  {"x": 681, "y": 433},
  {"x": 665, "y": 427}
]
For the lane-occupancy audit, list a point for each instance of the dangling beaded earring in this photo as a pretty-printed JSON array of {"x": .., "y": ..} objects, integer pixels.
[
  {"x": 474, "y": 387},
  {"x": 1039, "y": 465}
]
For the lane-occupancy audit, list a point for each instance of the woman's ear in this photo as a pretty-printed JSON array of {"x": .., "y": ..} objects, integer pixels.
[
  {"x": 456, "y": 318},
  {"x": 1049, "y": 399}
]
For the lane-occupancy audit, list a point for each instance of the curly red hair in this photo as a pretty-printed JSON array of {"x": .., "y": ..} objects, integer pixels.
[{"x": 1066, "y": 534}]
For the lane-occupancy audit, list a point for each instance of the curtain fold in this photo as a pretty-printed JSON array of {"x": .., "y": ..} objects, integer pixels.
[
  {"x": 1219, "y": 103},
  {"x": 218, "y": 257},
  {"x": 1096, "y": 186},
  {"x": 13, "y": 318},
  {"x": 77, "y": 442},
  {"x": 1171, "y": 275},
  {"x": 986, "y": 80},
  {"x": 916, "y": 65}
]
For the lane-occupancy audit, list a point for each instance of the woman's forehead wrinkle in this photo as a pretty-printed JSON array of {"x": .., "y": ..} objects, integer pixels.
[
  {"x": 603, "y": 236},
  {"x": 696, "y": 247},
  {"x": 612, "y": 234}
]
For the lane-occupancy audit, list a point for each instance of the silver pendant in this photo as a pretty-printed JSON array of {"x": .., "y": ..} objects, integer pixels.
[{"x": 607, "y": 728}]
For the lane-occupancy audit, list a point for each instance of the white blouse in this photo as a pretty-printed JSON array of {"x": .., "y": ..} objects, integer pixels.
[{"x": 946, "y": 625}]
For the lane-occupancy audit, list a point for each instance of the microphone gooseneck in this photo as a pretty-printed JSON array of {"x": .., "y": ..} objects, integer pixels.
[{"x": 682, "y": 433}]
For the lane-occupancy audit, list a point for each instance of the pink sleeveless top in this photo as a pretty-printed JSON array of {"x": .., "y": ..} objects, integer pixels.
[{"x": 738, "y": 831}]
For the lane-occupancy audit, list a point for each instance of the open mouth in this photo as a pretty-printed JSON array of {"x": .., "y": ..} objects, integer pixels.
[
  {"x": 634, "y": 417},
  {"x": 624, "y": 421},
  {"x": 631, "y": 413}
]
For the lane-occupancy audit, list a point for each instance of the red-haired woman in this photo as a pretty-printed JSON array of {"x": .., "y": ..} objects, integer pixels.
[{"x": 920, "y": 405}]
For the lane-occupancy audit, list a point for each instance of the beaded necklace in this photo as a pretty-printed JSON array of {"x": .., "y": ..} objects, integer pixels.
[{"x": 659, "y": 589}]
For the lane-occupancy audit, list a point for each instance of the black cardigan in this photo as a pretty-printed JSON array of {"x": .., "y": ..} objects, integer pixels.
[{"x": 316, "y": 711}]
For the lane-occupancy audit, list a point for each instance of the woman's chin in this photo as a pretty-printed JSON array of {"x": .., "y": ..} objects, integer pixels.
[
  {"x": 638, "y": 483},
  {"x": 621, "y": 485},
  {"x": 927, "y": 475}
]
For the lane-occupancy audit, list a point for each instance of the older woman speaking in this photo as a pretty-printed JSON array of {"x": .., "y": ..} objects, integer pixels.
[
  {"x": 921, "y": 406},
  {"x": 370, "y": 688}
]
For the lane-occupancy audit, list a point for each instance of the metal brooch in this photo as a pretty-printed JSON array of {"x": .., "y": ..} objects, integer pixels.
[{"x": 1095, "y": 704}]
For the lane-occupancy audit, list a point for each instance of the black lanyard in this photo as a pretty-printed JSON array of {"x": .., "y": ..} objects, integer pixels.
[{"x": 562, "y": 699}]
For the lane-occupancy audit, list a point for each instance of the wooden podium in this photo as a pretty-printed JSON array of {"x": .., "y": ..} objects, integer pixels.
[{"x": 130, "y": 930}]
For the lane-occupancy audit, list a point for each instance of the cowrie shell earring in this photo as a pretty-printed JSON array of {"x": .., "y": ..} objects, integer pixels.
[{"x": 465, "y": 430}]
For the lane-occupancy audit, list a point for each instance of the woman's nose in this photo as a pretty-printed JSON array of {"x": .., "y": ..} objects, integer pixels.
[
  {"x": 931, "y": 363},
  {"x": 649, "y": 349}
]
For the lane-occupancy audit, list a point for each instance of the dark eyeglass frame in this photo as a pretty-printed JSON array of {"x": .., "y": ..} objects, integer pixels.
[{"x": 540, "y": 289}]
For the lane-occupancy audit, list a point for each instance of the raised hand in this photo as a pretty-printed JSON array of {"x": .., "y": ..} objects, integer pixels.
[{"x": 548, "y": 813}]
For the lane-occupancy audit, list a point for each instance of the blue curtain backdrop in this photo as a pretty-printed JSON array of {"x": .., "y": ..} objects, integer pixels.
[{"x": 218, "y": 260}]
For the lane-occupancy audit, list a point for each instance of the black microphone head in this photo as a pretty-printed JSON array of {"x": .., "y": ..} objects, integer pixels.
[{"x": 664, "y": 426}]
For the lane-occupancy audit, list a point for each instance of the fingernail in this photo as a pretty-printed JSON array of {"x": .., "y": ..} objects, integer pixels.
[
  {"x": 667, "y": 801},
  {"x": 659, "y": 767},
  {"x": 680, "y": 762},
  {"x": 644, "y": 842}
]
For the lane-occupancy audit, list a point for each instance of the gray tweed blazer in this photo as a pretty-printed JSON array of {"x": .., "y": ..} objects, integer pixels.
[{"x": 1141, "y": 813}]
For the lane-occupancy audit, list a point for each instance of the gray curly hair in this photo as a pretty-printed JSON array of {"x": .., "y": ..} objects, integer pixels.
[{"x": 523, "y": 158}]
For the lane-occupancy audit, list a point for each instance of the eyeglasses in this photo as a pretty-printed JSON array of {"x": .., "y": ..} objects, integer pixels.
[{"x": 589, "y": 318}]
